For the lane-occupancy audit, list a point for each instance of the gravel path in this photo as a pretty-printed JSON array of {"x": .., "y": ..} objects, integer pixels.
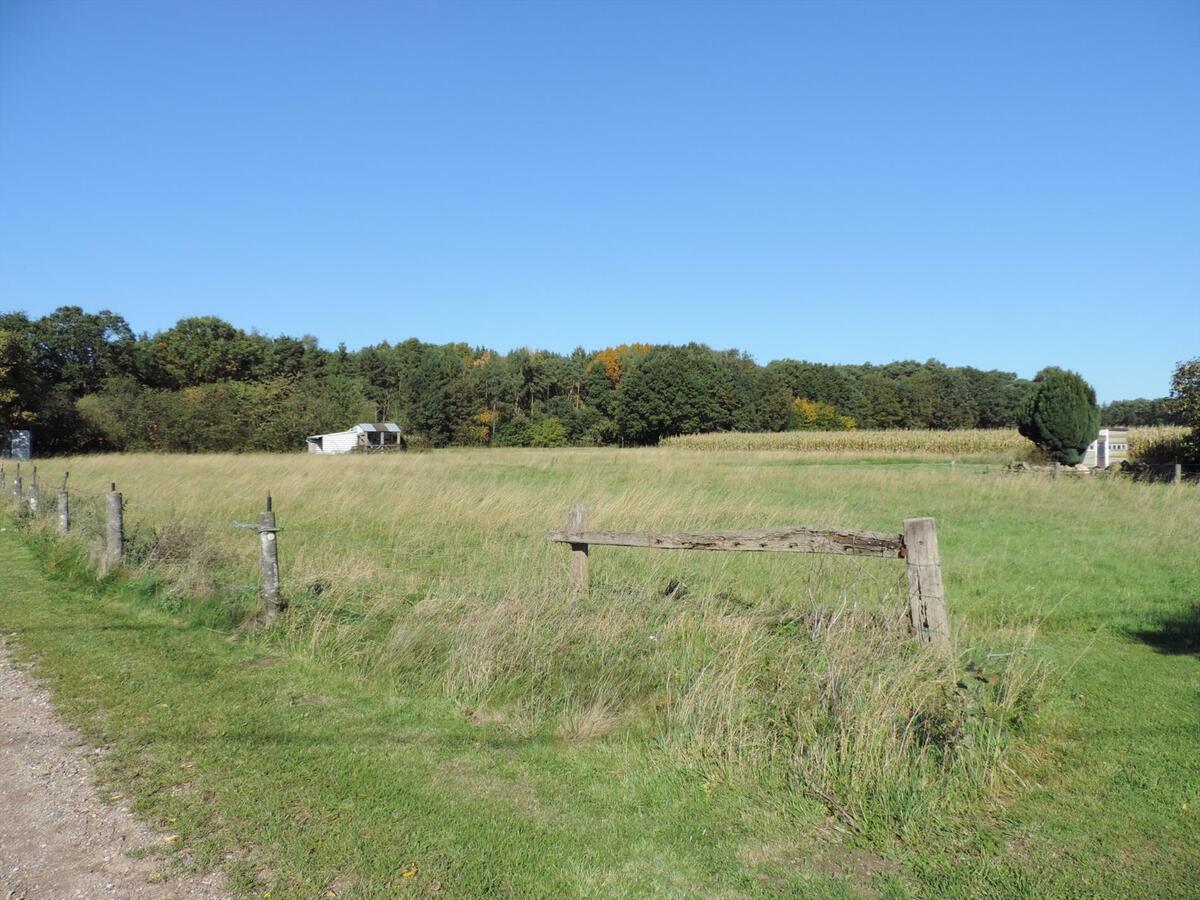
[{"x": 58, "y": 840}]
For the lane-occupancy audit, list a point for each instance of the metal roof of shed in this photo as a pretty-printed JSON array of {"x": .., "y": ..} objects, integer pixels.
[{"x": 378, "y": 426}]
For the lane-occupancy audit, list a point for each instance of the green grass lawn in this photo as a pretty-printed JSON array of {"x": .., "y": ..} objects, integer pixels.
[{"x": 505, "y": 745}]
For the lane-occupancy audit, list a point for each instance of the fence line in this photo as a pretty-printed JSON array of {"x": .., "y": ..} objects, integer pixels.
[
  {"x": 917, "y": 545},
  {"x": 104, "y": 515}
]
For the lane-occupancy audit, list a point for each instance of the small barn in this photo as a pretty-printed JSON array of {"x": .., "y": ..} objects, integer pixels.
[
  {"x": 365, "y": 437},
  {"x": 1110, "y": 448}
]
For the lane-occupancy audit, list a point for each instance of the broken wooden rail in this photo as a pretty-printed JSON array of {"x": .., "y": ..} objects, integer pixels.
[{"x": 917, "y": 545}]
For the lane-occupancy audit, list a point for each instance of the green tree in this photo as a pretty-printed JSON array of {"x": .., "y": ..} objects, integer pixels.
[
  {"x": 548, "y": 432},
  {"x": 13, "y": 412},
  {"x": 1185, "y": 399},
  {"x": 1060, "y": 415},
  {"x": 204, "y": 350},
  {"x": 680, "y": 390}
]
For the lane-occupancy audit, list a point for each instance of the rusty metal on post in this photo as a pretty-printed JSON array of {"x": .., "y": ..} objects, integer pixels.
[
  {"x": 926, "y": 595},
  {"x": 577, "y": 524},
  {"x": 114, "y": 542},
  {"x": 273, "y": 603}
]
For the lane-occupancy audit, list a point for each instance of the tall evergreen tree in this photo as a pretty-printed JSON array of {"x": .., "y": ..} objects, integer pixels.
[{"x": 1060, "y": 415}]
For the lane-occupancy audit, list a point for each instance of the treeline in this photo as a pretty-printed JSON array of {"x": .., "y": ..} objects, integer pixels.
[
  {"x": 84, "y": 381},
  {"x": 1162, "y": 411}
]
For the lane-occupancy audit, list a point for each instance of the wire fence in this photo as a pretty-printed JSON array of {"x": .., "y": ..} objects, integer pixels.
[{"x": 153, "y": 533}]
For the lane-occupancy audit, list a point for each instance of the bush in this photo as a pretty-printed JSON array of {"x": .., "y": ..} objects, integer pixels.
[
  {"x": 548, "y": 432},
  {"x": 513, "y": 433},
  {"x": 1060, "y": 415}
]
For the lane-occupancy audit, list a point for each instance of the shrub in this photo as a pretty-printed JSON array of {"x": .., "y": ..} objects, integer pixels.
[
  {"x": 1060, "y": 415},
  {"x": 548, "y": 432}
]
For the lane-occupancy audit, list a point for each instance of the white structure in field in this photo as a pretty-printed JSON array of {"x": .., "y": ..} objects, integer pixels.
[
  {"x": 361, "y": 438},
  {"x": 17, "y": 445},
  {"x": 1111, "y": 447}
]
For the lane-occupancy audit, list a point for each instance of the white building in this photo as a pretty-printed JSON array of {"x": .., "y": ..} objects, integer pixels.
[
  {"x": 1110, "y": 448},
  {"x": 361, "y": 438},
  {"x": 16, "y": 445}
]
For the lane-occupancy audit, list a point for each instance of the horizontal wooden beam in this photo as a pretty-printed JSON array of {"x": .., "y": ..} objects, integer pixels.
[{"x": 777, "y": 540}]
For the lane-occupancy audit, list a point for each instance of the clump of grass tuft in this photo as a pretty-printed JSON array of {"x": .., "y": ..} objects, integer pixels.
[{"x": 836, "y": 702}]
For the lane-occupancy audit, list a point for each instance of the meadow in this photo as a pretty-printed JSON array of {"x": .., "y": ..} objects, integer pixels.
[{"x": 774, "y": 727}]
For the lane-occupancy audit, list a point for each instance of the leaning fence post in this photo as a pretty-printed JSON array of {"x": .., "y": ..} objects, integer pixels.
[
  {"x": 576, "y": 524},
  {"x": 926, "y": 596},
  {"x": 115, "y": 535},
  {"x": 273, "y": 603},
  {"x": 64, "y": 506}
]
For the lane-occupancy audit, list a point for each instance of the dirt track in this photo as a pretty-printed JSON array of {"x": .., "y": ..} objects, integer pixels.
[{"x": 57, "y": 838}]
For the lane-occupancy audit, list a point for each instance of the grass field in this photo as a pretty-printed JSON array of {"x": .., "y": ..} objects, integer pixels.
[{"x": 465, "y": 715}]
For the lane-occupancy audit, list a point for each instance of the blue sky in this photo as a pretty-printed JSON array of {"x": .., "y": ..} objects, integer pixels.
[{"x": 1004, "y": 185}]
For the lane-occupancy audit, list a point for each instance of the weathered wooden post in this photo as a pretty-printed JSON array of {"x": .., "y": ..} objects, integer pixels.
[
  {"x": 35, "y": 496},
  {"x": 926, "y": 596},
  {"x": 114, "y": 544},
  {"x": 1177, "y": 478},
  {"x": 2, "y": 478},
  {"x": 16, "y": 487},
  {"x": 64, "y": 506},
  {"x": 273, "y": 603},
  {"x": 577, "y": 524}
]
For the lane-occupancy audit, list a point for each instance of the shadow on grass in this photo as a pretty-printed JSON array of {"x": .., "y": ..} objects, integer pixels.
[{"x": 1177, "y": 635}]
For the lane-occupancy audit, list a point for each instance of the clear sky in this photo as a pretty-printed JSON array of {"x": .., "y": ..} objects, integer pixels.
[{"x": 1006, "y": 185}]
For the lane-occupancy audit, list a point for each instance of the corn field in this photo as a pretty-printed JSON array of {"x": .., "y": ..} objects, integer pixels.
[{"x": 965, "y": 442}]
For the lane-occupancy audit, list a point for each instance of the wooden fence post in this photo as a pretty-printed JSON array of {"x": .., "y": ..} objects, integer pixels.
[
  {"x": 64, "y": 506},
  {"x": 1177, "y": 478},
  {"x": 114, "y": 545},
  {"x": 576, "y": 523},
  {"x": 926, "y": 596},
  {"x": 16, "y": 487},
  {"x": 273, "y": 603},
  {"x": 35, "y": 496}
]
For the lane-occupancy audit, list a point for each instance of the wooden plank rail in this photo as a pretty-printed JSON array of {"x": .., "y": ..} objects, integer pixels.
[
  {"x": 917, "y": 545},
  {"x": 769, "y": 540}
]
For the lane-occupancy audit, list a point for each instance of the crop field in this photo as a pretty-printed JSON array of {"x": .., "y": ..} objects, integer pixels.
[
  {"x": 699, "y": 724},
  {"x": 995, "y": 443}
]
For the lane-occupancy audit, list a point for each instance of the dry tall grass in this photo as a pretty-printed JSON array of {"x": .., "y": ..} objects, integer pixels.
[{"x": 433, "y": 569}]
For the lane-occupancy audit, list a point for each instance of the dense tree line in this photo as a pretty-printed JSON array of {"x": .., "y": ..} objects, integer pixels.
[
  {"x": 84, "y": 381},
  {"x": 1161, "y": 411}
]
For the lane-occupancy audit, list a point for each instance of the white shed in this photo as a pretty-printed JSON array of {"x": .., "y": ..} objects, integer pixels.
[
  {"x": 365, "y": 437},
  {"x": 1109, "y": 448}
]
